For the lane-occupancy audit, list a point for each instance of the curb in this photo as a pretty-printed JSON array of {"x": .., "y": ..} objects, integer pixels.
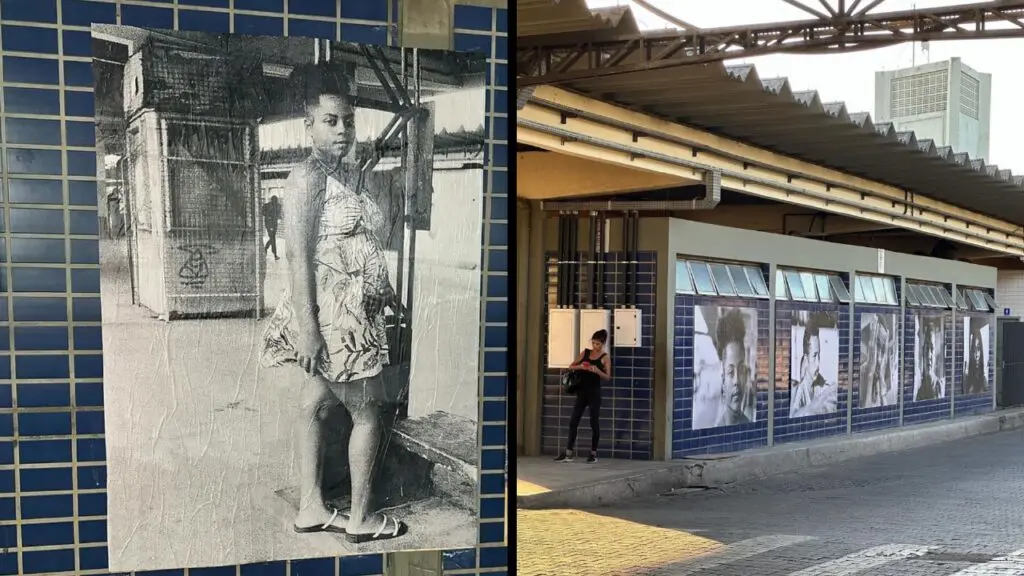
[{"x": 696, "y": 472}]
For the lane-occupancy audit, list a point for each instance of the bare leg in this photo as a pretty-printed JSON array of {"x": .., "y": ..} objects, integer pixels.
[
  {"x": 364, "y": 450},
  {"x": 317, "y": 400}
]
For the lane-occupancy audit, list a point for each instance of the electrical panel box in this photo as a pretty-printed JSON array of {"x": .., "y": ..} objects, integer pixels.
[
  {"x": 627, "y": 328},
  {"x": 563, "y": 337},
  {"x": 591, "y": 321}
]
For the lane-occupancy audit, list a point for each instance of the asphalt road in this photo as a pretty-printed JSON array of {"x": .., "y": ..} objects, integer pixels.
[{"x": 956, "y": 508}]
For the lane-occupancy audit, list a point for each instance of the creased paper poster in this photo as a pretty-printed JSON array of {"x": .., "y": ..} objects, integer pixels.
[{"x": 290, "y": 251}]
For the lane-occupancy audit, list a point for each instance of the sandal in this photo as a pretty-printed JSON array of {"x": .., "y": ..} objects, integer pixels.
[
  {"x": 327, "y": 526},
  {"x": 400, "y": 528}
]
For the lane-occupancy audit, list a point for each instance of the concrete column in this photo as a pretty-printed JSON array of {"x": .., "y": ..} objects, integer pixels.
[
  {"x": 664, "y": 340},
  {"x": 530, "y": 308}
]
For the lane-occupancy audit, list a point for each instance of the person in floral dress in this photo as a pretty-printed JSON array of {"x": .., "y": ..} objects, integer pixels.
[{"x": 331, "y": 319}]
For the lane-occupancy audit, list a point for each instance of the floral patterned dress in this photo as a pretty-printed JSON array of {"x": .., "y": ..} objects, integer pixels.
[{"x": 352, "y": 285}]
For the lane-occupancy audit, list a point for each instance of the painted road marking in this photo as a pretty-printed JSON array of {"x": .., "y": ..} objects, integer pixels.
[
  {"x": 1010, "y": 565},
  {"x": 729, "y": 554},
  {"x": 867, "y": 559}
]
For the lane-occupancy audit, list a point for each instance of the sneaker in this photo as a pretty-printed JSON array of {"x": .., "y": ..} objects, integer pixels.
[
  {"x": 565, "y": 456},
  {"x": 592, "y": 458}
]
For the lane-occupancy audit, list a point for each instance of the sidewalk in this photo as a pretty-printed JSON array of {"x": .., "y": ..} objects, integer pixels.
[{"x": 544, "y": 484}]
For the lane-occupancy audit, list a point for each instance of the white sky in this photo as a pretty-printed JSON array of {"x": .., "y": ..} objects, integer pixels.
[{"x": 850, "y": 77}]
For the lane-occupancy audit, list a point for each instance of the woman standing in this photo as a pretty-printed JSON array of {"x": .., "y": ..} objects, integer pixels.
[
  {"x": 331, "y": 321},
  {"x": 594, "y": 365}
]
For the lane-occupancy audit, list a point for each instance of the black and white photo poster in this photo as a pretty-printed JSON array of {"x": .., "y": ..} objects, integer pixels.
[
  {"x": 814, "y": 364},
  {"x": 929, "y": 357},
  {"x": 976, "y": 360},
  {"x": 724, "y": 366},
  {"x": 879, "y": 360},
  {"x": 291, "y": 296}
]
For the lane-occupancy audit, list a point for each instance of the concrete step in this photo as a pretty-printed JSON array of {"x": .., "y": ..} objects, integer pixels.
[{"x": 449, "y": 442}]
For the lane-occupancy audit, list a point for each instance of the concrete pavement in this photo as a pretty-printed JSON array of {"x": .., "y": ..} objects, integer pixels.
[{"x": 951, "y": 509}]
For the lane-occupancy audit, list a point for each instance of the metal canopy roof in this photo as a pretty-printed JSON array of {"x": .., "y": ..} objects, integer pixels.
[{"x": 734, "y": 102}]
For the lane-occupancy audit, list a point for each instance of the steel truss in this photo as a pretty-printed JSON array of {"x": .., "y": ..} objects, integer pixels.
[{"x": 558, "y": 58}]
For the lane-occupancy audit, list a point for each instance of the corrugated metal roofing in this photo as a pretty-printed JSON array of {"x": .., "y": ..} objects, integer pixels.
[
  {"x": 535, "y": 17},
  {"x": 732, "y": 100}
]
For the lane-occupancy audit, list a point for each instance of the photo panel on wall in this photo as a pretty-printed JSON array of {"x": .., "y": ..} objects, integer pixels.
[
  {"x": 814, "y": 364},
  {"x": 929, "y": 357},
  {"x": 976, "y": 335},
  {"x": 724, "y": 366},
  {"x": 879, "y": 360},
  {"x": 280, "y": 378}
]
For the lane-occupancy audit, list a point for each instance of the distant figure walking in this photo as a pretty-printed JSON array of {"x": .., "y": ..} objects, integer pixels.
[{"x": 271, "y": 216}]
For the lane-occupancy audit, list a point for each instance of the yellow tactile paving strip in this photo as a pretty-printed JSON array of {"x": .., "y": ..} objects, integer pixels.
[{"x": 576, "y": 543}]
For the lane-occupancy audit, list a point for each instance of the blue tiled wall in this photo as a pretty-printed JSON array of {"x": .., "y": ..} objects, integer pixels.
[
  {"x": 626, "y": 411},
  {"x": 685, "y": 440},
  {"x": 795, "y": 429},
  {"x": 52, "y": 407},
  {"x": 963, "y": 404},
  {"x": 925, "y": 410},
  {"x": 880, "y": 416}
]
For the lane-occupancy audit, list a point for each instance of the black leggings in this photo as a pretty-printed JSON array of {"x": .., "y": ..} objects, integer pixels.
[{"x": 589, "y": 396}]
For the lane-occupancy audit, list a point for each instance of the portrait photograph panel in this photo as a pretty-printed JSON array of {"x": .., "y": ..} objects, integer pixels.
[
  {"x": 879, "y": 360},
  {"x": 814, "y": 364},
  {"x": 724, "y": 366},
  {"x": 929, "y": 357},
  {"x": 976, "y": 339},
  {"x": 290, "y": 275}
]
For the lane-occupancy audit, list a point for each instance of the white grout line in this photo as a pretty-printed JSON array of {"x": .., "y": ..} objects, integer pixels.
[{"x": 869, "y": 559}]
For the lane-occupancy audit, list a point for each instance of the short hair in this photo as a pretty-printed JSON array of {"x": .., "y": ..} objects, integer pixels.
[
  {"x": 600, "y": 336},
  {"x": 731, "y": 329},
  {"x": 811, "y": 330},
  {"x": 317, "y": 80}
]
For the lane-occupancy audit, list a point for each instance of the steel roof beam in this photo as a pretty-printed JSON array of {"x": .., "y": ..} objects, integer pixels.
[{"x": 559, "y": 58}]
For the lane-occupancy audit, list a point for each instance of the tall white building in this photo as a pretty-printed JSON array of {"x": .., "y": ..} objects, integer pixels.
[{"x": 947, "y": 102}]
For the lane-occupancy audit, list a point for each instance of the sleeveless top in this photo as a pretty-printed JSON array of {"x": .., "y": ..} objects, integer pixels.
[{"x": 590, "y": 378}]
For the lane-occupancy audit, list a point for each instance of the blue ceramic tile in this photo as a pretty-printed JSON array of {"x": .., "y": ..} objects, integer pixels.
[
  {"x": 36, "y": 309},
  {"x": 90, "y": 531},
  {"x": 24, "y": 191},
  {"x": 316, "y": 567},
  {"x": 37, "y": 250},
  {"x": 39, "y": 562},
  {"x": 77, "y": 43},
  {"x": 30, "y": 70},
  {"x": 473, "y": 43},
  {"x": 45, "y": 479},
  {"x": 81, "y": 193},
  {"x": 27, "y": 131},
  {"x": 44, "y": 395},
  {"x": 85, "y": 309},
  {"x": 38, "y": 280},
  {"x": 89, "y": 422},
  {"x": 89, "y": 394},
  {"x": 34, "y": 161},
  {"x": 84, "y": 222},
  {"x": 314, "y": 7},
  {"x": 493, "y": 557},
  {"x": 92, "y": 477},
  {"x": 79, "y": 104},
  {"x": 40, "y": 338},
  {"x": 258, "y": 25},
  {"x": 44, "y": 451},
  {"x": 85, "y": 281},
  {"x": 85, "y": 13},
  {"x": 147, "y": 16},
  {"x": 375, "y": 35},
  {"x": 92, "y": 505},
  {"x": 361, "y": 10},
  {"x": 312, "y": 29},
  {"x": 32, "y": 101},
  {"x": 29, "y": 39},
  {"x": 29, "y": 10},
  {"x": 91, "y": 450},
  {"x": 261, "y": 5},
  {"x": 93, "y": 558},
  {"x": 473, "y": 17},
  {"x": 197, "y": 21},
  {"x": 50, "y": 506},
  {"x": 207, "y": 3},
  {"x": 78, "y": 74},
  {"x": 37, "y": 221}
]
